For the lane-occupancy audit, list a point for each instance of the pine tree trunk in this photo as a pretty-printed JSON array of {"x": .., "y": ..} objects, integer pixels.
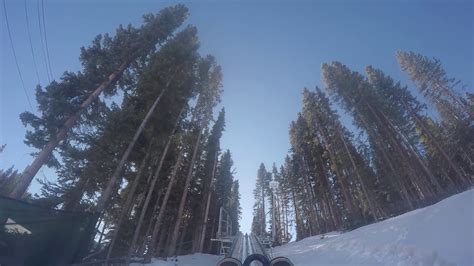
[
  {"x": 310, "y": 225},
  {"x": 142, "y": 248},
  {"x": 264, "y": 220},
  {"x": 161, "y": 241},
  {"x": 343, "y": 183},
  {"x": 402, "y": 187},
  {"x": 287, "y": 239},
  {"x": 30, "y": 171},
  {"x": 73, "y": 201},
  {"x": 142, "y": 195},
  {"x": 105, "y": 195},
  {"x": 279, "y": 213},
  {"x": 181, "y": 239},
  {"x": 454, "y": 98},
  {"x": 128, "y": 202},
  {"x": 197, "y": 225},
  {"x": 179, "y": 218},
  {"x": 150, "y": 191},
  {"x": 389, "y": 124},
  {"x": 164, "y": 203},
  {"x": 342, "y": 180},
  {"x": 437, "y": 145},
  {"x": 168, "y": 239},
  {"x": 208, "y": 203},
  {"x": 359, "y": 177},
  {"x": 335, "y": 216},
  {"x": 202, "y": 235},
  {"x": 297, "y": 216},
  {"x": 309, "y": 190},
  {"x": 395, "y": 181},
  {"x": 213, "y": 232},
  {"x": 396, "y": 145}
]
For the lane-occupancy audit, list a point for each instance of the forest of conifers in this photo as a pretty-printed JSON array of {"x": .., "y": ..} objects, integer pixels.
[
  {"x": 134, "y": 136},
  {"x": 401, "y": 152}
]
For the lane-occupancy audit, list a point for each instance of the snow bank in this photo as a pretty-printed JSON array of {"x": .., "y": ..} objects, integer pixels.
[{"x": 441, "y": 234}]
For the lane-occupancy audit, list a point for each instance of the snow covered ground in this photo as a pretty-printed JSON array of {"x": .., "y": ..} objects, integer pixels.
[
  {"x": 441, "y": 234},
  {"x": 188, "y": 260}
]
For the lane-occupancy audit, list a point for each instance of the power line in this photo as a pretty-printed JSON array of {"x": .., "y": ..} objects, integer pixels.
[
  {"x": 38, "y": 9},
  {"x": 14, "y": 55},
  {"x": 46, "y": 40},
  {"x": 31, "y": 43}
]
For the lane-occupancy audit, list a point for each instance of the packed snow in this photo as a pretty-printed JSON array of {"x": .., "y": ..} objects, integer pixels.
[
  {"x": 188, "y": 260},
  {"x": 441, "y": 234}
]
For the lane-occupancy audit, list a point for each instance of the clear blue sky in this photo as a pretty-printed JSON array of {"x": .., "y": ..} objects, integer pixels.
[{"x": 269, "y": 51}]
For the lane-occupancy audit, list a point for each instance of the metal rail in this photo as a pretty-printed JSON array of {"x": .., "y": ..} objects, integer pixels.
[
  {"x": 246, "y": 250},
  {"x": 259, "y": 248},
  {"x": 236, "y": 249}
]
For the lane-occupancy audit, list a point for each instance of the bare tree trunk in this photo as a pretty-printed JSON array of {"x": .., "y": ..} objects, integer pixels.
[
  {"x": 179, "y": 218},
  {"x": 128, "y": 202},
  {"x": 30, "y": 171}
]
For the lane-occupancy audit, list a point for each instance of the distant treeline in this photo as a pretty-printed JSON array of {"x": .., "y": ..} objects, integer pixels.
[{"x": 397, "y": 157}]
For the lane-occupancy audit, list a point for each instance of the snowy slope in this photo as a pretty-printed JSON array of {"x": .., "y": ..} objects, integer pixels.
[
  {"x": 188, "y": 260},
  {"x": 441, "y": 234}
]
